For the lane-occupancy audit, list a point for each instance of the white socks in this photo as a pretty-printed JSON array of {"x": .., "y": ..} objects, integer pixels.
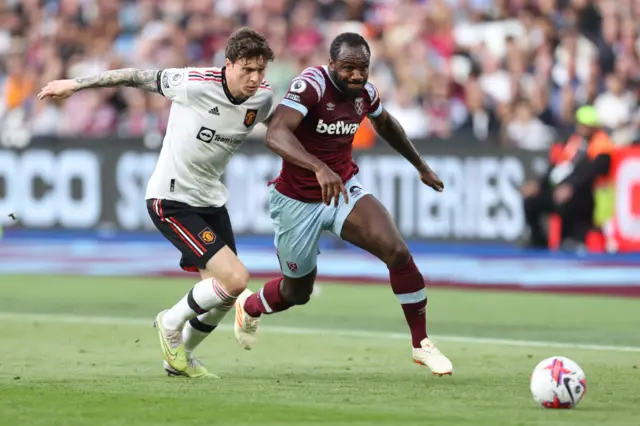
[
  {"x": 203, "y": 297},
  {"x": 197, "y": 329}
]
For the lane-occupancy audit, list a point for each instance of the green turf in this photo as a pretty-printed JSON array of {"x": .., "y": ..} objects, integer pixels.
[{"x": 55, "y": 372}]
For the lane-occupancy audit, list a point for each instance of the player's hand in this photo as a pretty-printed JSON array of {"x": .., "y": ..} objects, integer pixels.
[
  {"x": 429, "y": 178},
  {"x": 332, "y": 186},
  {"x": 58, "y": 89}
]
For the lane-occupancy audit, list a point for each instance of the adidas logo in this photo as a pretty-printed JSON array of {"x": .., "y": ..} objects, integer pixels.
[{"x": 214, "y": 111}]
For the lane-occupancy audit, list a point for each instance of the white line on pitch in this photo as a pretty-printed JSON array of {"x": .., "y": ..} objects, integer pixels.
[{"x": 124, "y": 321}]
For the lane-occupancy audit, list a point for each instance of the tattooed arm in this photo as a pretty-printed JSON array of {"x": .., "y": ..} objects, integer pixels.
[{"x": 127, "y": 77}]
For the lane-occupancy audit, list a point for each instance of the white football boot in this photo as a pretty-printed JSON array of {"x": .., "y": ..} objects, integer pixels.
[
  {"x": 429, "y": 356},
  {"x": 245, "y": 326}
]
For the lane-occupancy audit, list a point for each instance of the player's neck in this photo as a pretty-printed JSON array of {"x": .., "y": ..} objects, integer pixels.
[{"x": 232, "y": 91}]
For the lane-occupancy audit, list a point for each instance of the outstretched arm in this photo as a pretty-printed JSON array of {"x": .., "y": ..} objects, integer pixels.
[
  {"x": 282, "y": 141},
  {"x": 392, "y": 132},
  {"x": 129, "y": 77},
  {"x": 126, "y": 77}
]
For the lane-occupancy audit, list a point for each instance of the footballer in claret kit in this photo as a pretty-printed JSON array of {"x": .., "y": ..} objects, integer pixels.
[{"x": 318, "y": 190}]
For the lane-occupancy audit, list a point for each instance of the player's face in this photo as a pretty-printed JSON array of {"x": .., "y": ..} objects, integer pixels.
[
  {"x": 246, "y": 74},
  {"x": 351, "y": 70}
]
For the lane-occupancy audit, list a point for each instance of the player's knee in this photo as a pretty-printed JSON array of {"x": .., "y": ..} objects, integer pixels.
[
  {"x": 397, "y": 255},
  {"x": 236, "y": 282}
]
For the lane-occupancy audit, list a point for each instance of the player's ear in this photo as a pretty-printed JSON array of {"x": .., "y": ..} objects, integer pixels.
[
  {"x": 227, "y": 63},
  {"x": 332, "y": 65}
]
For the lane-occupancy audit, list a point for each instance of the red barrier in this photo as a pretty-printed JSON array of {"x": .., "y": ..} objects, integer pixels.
[{"x": 623, "y": 232}]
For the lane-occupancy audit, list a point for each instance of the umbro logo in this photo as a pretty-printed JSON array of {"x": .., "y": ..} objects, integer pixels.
[{"x": 214, "y": 111}]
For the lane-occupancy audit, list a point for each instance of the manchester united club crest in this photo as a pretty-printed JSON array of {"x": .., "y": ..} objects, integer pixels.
[
  {"x": 250, "y": 117},
  {"x": 358, "y": 105},
  {"x": 207, "y": 236}
]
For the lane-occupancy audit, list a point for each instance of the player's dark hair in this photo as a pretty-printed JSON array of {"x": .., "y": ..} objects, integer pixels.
[
  {"x": 246, "y": 43},
  {"x": 351, "y": 40}
]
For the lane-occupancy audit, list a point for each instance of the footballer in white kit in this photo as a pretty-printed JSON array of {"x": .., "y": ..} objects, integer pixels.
[
  {"x": 212, "y": 112},
  {"x": 207, "y": 124}
]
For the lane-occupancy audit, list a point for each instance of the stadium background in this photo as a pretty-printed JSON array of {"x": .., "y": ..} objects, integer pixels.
[{"x": 483, "y": 87}]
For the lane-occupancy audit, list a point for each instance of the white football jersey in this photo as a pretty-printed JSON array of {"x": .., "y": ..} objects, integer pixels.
[{"x": 206, "y": 126}]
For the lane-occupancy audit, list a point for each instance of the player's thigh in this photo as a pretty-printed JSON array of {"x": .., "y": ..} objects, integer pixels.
[
  {"x": 224, "y": 266},
  {"x": 356, "y": 193},
  {"x": 297, "y": 227},
  {"x": 369, "y": 225},
  {"x": 202, "y": 249},
  {"x": 220, "y": 222},
  {"x": 180, "y": 225}
]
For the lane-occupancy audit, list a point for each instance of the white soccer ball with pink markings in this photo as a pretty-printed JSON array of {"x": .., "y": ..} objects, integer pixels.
[{"x": 558, "y": 382}]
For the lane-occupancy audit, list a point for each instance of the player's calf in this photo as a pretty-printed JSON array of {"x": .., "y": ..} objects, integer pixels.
[
  {"x": 280, "y": 294},
  {"x": 408, "y": 286},
  {"x": 277, "y": 295},
  {"x": 371, "y": 227},
  {"x": 220, "y": 292},
  {"x": 298, "y": 290},
  {"x": 197, "y": 329}
]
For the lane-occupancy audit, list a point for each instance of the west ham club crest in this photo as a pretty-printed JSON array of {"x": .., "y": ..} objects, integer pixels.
[{"x": 358, "y": 105}]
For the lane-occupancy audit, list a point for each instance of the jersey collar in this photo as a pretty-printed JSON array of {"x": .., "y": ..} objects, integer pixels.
[
  {"x": 326, "y": 70},
  {"x": 232, "y": 99}
]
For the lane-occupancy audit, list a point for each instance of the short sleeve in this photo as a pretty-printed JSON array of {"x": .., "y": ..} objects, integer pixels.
[
  {"x": 172, "y": 83},
  {"x": 305, "y": 91},
  {"x": 375, "y": 105}
]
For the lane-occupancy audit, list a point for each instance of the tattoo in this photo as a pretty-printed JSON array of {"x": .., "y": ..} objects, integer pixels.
[
  {"x": 391, "y": 131},
  {"x": 129, "y": 77}
]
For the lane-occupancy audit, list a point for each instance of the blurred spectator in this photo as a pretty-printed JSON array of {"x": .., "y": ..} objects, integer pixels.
[
  {"x": 567, "y": 189},
  {"x": 444, "y": 67},
  {"x": 405, "y": 106},
  {"x": 616, "y": 109},
  {"x": 18, "y": 84},
  {"x": 445, "y": 113},
  {"x": 526, "y": 131},
  {"x": 481, "y": 121}
]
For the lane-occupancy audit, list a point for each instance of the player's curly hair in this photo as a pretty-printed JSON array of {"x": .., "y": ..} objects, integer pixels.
[
  {"x": 351, "y": 40},
  {"x": 246, "y": 43}
]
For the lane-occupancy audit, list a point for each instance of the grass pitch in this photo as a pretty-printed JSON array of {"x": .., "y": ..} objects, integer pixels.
[{"x": 82, "y": 351}]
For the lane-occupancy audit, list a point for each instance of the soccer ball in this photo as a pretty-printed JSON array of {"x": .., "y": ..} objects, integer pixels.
[{"x": 558, "y": 382}]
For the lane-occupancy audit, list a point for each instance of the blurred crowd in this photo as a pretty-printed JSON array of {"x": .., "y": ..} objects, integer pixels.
[{"x": 509, "y": 72}]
